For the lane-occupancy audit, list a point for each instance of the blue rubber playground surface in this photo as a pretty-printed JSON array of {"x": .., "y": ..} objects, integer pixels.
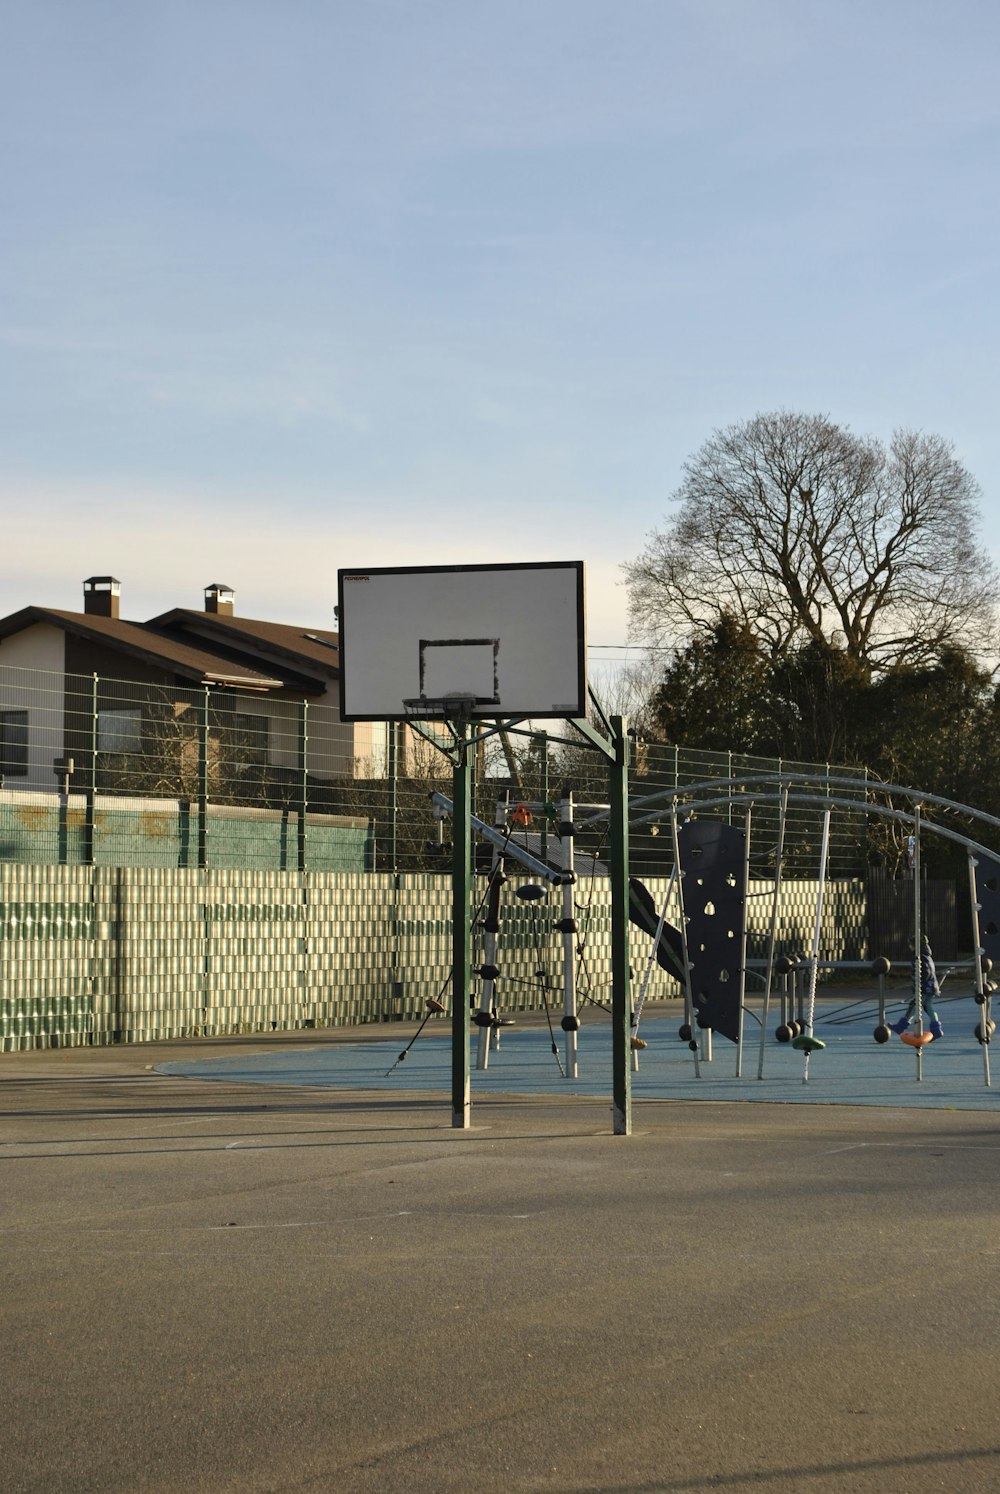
[{"x": 851, "y": 1070}]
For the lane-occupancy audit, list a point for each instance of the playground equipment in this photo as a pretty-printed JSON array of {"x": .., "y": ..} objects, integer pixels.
[
  {"x": 457, "y": 648},
  {"x": 704, "y": 951},
  {"x": 667, "y": 947},
  {"x": 848, "y": 794}
]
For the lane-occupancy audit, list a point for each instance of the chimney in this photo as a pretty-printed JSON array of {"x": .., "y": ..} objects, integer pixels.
[
  {"x": 101, "y": 596},
  {"x": 219, "y": 599}
]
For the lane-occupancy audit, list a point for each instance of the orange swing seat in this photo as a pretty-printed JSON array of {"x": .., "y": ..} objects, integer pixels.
[{"x": 916, "y": 1039}]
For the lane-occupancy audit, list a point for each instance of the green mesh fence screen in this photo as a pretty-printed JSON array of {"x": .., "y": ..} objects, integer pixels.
[{"x": 92, "y": 955}]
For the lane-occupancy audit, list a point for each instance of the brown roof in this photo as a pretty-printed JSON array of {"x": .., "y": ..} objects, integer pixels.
[
  {"x": 311, "y": 649},
  {"x": 145, "y": 641}
]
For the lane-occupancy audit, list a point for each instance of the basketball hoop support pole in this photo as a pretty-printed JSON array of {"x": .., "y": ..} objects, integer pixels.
[
  {"x": 616, "y": 751},
  {"x": 461, "y": 931},
  {"x": 621, "y": 975}
]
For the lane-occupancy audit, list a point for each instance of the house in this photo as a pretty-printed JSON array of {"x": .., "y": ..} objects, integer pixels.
[{"x": 186, "y": 703}]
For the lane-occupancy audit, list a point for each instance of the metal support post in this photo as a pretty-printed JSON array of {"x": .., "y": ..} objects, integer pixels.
[
  {"x": 392, "y": 781},
  {"x": 621, "y": 995},
  {"x": 918, "y": 964},
  {"x": 813, "y": 968},
  {"x": 773, "y": 935},
  {"x": 567, "y": 925},
  {"x": 90, "y": 812},
  {"x": 203, "y": 729},
  {"x": 743, "y": 946},
  {"x": 303, "y": 755},
  {"x": 63, "y": 767},
  {"x": 461, "y": 932},
  {"x": 489, "y": 1035},
  {"x": 543, "y": 791},
  {"x": 982, "y": 992}
]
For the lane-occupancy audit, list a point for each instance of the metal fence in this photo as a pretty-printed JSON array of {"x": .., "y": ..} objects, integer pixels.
[
  {"x": 179, "y": 861},
  {"x": 97, "y": 770},
  {"x": 104, "y": 771}
]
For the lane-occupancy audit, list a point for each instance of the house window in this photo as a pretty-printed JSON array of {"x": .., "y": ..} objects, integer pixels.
[
  {"x": 119, "y": 731},
  {"x": 13, "y": 744},
  {"x": 249, "y": 740}
]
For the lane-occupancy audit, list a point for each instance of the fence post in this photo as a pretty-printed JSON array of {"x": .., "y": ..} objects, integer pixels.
[
  {"x": 303, "y": 729},
  {"x": 64, "y": 771},
  {"x": 203, "y": 780},
  {"x": 120, "y": 1015},
  {"x": 543, "y": 788},
  {"x": 91, "y": 779},
  {"x": 392, "y": 783}
]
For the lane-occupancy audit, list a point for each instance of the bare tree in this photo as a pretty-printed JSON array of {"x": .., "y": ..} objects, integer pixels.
[
  {"x": 801, "y": 530},
  {"x": 626, "y": 690}
]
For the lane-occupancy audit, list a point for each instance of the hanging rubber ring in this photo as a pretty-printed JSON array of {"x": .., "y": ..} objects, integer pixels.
[{"x": 807, "y": 1044}]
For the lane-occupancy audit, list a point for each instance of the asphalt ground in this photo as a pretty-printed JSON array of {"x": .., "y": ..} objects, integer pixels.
[{"x": 232, "y": 1286}]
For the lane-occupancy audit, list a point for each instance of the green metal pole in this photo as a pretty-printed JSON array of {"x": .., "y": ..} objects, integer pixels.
[
  {"x": 203, "y": 733},
  {"x": 461, "y": 933},
  {"x": 543, "y": 789},
  {"x": 303, "y": 755},
  {"x": 91, "y": 779},
  {"x": 621, "y": 976},
  {"x": 392, "y": 783}
]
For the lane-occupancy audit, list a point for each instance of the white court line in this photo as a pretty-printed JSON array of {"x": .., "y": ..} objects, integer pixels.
[{"x": 909, "y": 1146}]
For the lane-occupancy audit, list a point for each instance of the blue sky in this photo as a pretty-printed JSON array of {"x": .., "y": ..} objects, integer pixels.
[{"x": 287, "y": 285}]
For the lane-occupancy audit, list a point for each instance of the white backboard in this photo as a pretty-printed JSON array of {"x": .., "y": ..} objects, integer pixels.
[{"x": 509, "y": 640}]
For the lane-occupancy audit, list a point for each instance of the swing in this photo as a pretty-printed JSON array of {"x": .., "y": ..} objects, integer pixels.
[
  {"x": 806, "y": 1043},
  {"x": 916, "y": 1039}
]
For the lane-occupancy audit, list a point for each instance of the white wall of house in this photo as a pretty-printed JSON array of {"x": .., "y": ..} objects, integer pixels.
[
  {"x": 41, "y": 646},
  {"x": 371, "y": 748},
  {"x": 344, "y": 748},
  {"x": 32, "y": 666}
]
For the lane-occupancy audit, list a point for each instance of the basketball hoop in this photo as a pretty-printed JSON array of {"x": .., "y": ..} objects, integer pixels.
[
  {"x": 416, "y": 640},
  {"x": 458, "y": 708}
]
